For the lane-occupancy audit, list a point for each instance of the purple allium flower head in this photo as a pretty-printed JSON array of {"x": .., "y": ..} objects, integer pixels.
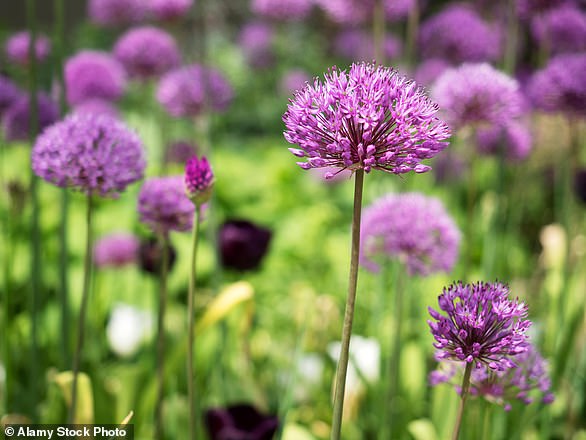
[
  {"x": 482, "y": 325},
  {"x": 147, "y": 52},
  {"x": 514, "y": 137},
  {"x": 16, "y": 118},
  {"x": 398, "y": 9},
  {"x": 356, "y": 44},
  {"x": 163, "y": 205},
  {"x": 9, "y": 94},
  {"x": 167, "y": 10},
  {"x": 93, "y": 75},
  {"x": 478, "y": 94},
  {"x": 97, "y": 106},
  {"x": 561, "y": 30},
  {"x": 413, "y": 228},
  {"x": 199, "y": 180},
  {"x": 117, "y": 12},
  {"x": 239, "y": 422},
  {"x": 368, "y": 118},
  {"x": 347, "y": 11},
  {"x": 182, "y": 92},
  {"x": 116, "y": 250},
  {"x": 180, "y": 152},
  {"x": 293, "y": 80},
  {"x": 243, "y": 244},
  {"x": 256, "y": 41},
  {"x": 285, "y": 10},
  {"x": 17, "y": 48},
  {"x": 94, "y": 153},
  {"x": 430, "y": 70},
  {"x": 561, "y": 85},
  {"x": 150, "y": 256},
  {"x": 459, "y": 34}
]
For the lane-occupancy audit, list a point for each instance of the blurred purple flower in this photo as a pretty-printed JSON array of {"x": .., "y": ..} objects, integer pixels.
[
  {"x": 93, "y": 75},
  {"x": 116, "y": 250},
  {"x": 514, "y": 137},
  {"x": 199, "y": 180},
  {"x": 239, "y": 422},
  {"x": 368, "y": 118},
  {"x": 459, "y": 34},
  {"x": 117, "y": 12},
  {"x": 293, "y": 80},
  {"x": 17, "y": 48},
  {"x": 530, "y": 8},
  {"x": 396, "y": 10},
  {"x": 430, "y": 70},
  {"x": 347, "y": 11},
  {"x": 146, "y": 52},
  {"x": 256, "y": 41},
  {"x": 182, "y": 92},
  {"x": 179, "y": 152},
  {"x": 357, "y": 45},
  {"x": 561, "y": 29},
  {"x": 482, "y": 325},
  {"x": 413, "y": 228},
  {"x": 150, "y": 256},
  {"x": 93, "y": 153},
  {"x": 9, "y": 94},
  {"x": 285, "y": 10},
  {"x": 167, "y": 10},
  {"x": 16, "y": 118},
  {"x": 243, "y": 244},
  {"x": 163, "y": 205},
  {"x": 96, "y": 106}
]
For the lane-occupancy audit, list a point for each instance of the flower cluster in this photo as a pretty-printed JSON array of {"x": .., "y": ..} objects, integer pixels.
[
  {"x": 117, "y": 12},
  {"x": 256, "y": 39},
  {"x": 367, "y": 118},
  {"x": 17, "y": 48},
  {"x": 482, "y": 326},
  {"x": 561, "y": 30},
  {"x": 514, "y": 137},
  {"x": 199, "y": 180},
  {"x": 93, "y": 153},
  {"x": 116, "y": 250},
  {"x": 16, "y": 119},
  {"x": 167, "y": 10},
  {"x": 412, "y": 227},
  {"x": 243, "y": 244},
  {"x": 282, "y": 9}
]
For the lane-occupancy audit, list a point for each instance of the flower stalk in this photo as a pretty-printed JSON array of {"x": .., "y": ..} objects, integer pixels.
[
  {"x": 164, "y": 244},
  {"x": 463, "y": 396}
]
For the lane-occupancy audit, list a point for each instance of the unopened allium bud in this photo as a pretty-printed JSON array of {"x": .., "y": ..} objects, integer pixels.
[{"x": 199, "y": 180}]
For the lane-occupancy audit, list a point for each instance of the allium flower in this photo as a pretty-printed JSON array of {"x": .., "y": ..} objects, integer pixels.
[
  {"x": 458, "y": 34},
  {"x": 183, "y": 91},
  {"x": 513, "y": 137},
  {"x": 127, "y": 329},
  {"x": 93, "y": 153},
  {"x": 368, "y": 118},
  {"x": 239, "y": 422},
  {"x": 529, "y": 8},
  {"x": 243, "y": 244},
  {"x": 430, "y": 70},
  {"x": 478, "y": 94},
  {"x": 9, "y": 94},
  {"x": 17, "y": 48},
  {"x": 412, "y": 227},
  {"x": 116, "y": 250},
  {"x": 147, "y": 52},
  {"x": 561, "y": 85},
  {"x": 150, "y": 256},
  {"x": 561, "y": 30},
  {"x": 256, "y": 41},
  {"x": 482, "y": 325},
  {"x": 163, "y": 205},
  {"x": 117, "y": 12},
  {"x": 347, "y": 11},
  {"x": 93, "y": 75},
  {"x": 282, "y": 9},
  {"x": 293, "y": 80},
  {"x": 199, "y": 180},
  {"x": 166, "y": 10},
  {"x": 180, "y": 152},
  {"x": 398, "y": 9},
  {"x": 16, "y": 118},
  {"x": 356, "y": 44}
]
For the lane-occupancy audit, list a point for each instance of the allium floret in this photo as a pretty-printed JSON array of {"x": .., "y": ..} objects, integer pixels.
[
  {"x": 368, "y": 118},
  {"x": 199, "y": 180},
  {"x": 17, "y": 48},
  {"x": 116, "y": 250}
]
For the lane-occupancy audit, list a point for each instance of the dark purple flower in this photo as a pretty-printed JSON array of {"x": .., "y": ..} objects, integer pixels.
[
  {"x": 356, "y": 44},
  {"x": 116, "y": 250},
  {"x": 282, "y": 9},
  {"x": 93, "y": 75},
  {"x": 163, "y": 205},
  {"x": 182, "y": 92},
  {"x": 17, "y": 48},
  {"x": 16, "y": 118},
  {"x": 561, "y": 30},
  {"x": 513, "y": 138},
  {"x": 146, "y": 52},
  {"x": 368, "y": 118},
  {"x": 347, "y": 12},
  {"x": 580, "y": 184},
  {"x": 93, "y": 153},
  {"x": 482, "y": 325},
  {"x": 117, "y": 12},
  {"x": 150, "y": 256},
  {"x": 199, "y": 180},
  {"x": 179, "y": 152},
  {"x": 239, "y": 422},
  {"x": 459, "y": 34},
  {"x": 9, "y": 93},
  {"x": 256, "y": 40},
  {"x": 293, "y": 80},
  {"x": 410, "y": 227},
  {"x": 243, "y": 244},
  {"x": 167, "y": 10}
]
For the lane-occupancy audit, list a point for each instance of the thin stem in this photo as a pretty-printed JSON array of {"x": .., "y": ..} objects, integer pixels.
[
  {"x": 340, "y": 383},
  {"x": 164, "y": 243},
  {"x": 191, "y": 326},
  {"x": 512, "y": 39},
  {"x": 464, "y": 395},
  {"x": 87, "y": 267},
  {"x": 394, "y": 363},
  {"x": 378, "y": 32},
  {"x": 412, "y": 29}
]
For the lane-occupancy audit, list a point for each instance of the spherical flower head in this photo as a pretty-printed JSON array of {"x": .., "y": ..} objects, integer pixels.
[
  {"x": 117, "y": 12},
  {"x": 293, "y": 80},
  {"x": 561, "y": 30},
  {"x": 367, "y": 118},
  {"x": 163, "y": 205},
  {"x": 169, "y": 10},
  {"x": 356, "y": 44},
  {"x": 514, "y": 138},
  {"x": 526, "y": 9},
  {"x": 93, "y": 75},
  {"x": 459, "y": 34},
  {"x": 413, "y": 228},
  {"x": 199, "y": 180},
  {"x": 482, "y": 325},
  {"x": 256, "y": 41},
  {"x": 284, "y": 10},
  {"x": 560, "y": 86},
  {"x": 17, "y": 48},
  {"x": 243, "y": 244},
  {"x": 478, "y": 94},
  {"x": 241, "y": 421},
  {"x": 116, "y": 250},
  {"x": 396, "y": 10},
  {"x": 182, "y": 92},
  {"x": 348, "y": 12},
  {"x": 16, "y": 118},
  {"x": 9, "y": 94},
  {"x": 92, "y": 153}
]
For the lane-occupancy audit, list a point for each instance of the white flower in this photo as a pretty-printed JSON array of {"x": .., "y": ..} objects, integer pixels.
[{"x": 127, "y": 329}]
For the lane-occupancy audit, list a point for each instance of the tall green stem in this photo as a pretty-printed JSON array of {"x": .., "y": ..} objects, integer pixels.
[
  {"x": 340, "y": 383},
  {"x": 378, "y": 32},
  {"x": 87, "y": 268},
  {"x": 395, "y": 361},
  {"x": 464, "y": 395},
  {"x": 164, "y": 243},
  {"x": 411, "y": 38}
]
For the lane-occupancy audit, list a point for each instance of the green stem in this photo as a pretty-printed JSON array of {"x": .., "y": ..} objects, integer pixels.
[
  {"x": 395, "y": 361},
  {"x": 378, "y": 32},
  {"x": 464, "y": 395},
  {"x": 87, "y": 267},
  {"x": 340, "y": 383},
  {"x": 164, "y": 243},
  {"x": 486, "y": 431},
  {"x": 512, "y": 39},
  {"x": 411, "y": 38}
]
